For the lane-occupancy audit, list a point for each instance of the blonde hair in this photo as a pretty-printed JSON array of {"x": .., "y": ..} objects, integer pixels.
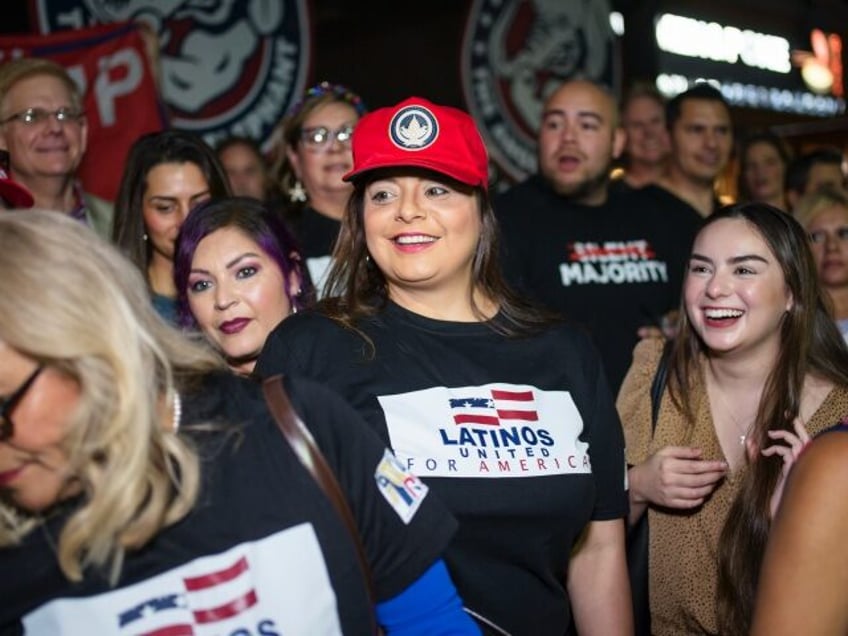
[
  {"x": 16, "y": 70},
  {"x": 811, "y": 205},
  {"x": 72, "y": 302}
]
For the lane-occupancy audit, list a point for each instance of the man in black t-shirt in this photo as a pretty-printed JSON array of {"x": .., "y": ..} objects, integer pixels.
[
  {"x": 701, "y": 135},
  {"x": 612, "y": 263}
]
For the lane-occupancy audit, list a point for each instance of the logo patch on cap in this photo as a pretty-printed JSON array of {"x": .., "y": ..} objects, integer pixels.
[{"x": 413, "y": 128}]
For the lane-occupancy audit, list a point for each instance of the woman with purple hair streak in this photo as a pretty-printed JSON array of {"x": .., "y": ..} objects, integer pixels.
[{"x": 238, "y": 273}]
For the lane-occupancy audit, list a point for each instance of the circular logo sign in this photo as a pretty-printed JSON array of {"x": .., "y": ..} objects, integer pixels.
[
  {"x": 413, "y": 128},
  {"x": 515, "y": 53},
  {"x": 227, "y": 67}
]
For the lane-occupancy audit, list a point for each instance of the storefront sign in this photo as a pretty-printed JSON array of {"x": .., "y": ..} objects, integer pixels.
[{"x": 752, "y": 69}]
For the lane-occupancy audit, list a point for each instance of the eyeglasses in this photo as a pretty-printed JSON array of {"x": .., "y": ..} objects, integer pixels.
[
  {"x": 8, "y": 405},
  {"x": 38, "y": 116},
  {"x": 819, "y": 236},
  {"x": 321, "y": 136}
]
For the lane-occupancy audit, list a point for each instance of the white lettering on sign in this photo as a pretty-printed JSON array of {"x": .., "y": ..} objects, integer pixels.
[
  {"x": 118, "y": 74},
  {"x": 755, "y": 96},
  {"x": 712, "y": 41}
]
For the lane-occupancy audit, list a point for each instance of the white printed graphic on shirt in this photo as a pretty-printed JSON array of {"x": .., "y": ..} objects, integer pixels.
[
  {"x": 612, "y": 263},
  {"x": 319, "y": 268},
  {"x": 276, "y": 585},
  {"x": 494, "y": 430}
]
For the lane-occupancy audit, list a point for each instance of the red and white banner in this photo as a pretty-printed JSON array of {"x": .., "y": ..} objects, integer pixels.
[{"x": 120, "y": 100}]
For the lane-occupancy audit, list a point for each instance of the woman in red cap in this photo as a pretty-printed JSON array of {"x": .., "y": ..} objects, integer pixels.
[{"x": 423, "y": 337}]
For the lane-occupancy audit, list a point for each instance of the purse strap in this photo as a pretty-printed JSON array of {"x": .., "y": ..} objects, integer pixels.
[
  {"x": 304, "y": 447},
  {"x": 658, "y": 385}
]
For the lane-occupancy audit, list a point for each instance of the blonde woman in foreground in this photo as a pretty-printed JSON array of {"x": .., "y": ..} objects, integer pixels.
[{"x": 120, "y": 513}]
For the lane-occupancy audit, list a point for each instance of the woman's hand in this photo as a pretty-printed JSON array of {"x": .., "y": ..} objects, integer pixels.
[
  {"x": 790, "y": 450},
  {"x": 675, "y": 477}
]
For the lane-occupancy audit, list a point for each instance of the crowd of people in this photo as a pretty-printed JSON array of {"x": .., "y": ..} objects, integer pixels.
[{"x": 472, "y": 373}]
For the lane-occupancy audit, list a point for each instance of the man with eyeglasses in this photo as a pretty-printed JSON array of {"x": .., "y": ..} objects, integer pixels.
[{"x": 44, "y": 130}]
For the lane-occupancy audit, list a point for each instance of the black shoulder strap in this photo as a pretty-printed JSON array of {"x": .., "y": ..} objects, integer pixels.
[
  {"x": 658, "y": 385},
  {"x": 307, "y": 451}
]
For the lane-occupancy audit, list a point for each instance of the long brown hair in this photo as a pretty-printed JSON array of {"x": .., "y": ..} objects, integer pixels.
[
  {"x": 356, "y": 287},
  {"x": 149, "y": 151},
  {"x": 811, "y": 343}
]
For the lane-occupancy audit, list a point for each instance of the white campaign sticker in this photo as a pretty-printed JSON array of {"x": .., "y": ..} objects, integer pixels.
[
  {"x": 402, "y": 490},
  {"x": 494, "y": 430}
]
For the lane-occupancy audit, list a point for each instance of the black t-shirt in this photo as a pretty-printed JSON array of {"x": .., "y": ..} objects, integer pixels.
[
  {"x": 669, "y": 203},
  {"x": 518, "y": 436},
  {"x": 611, "y": 268},
  {"x": 263, "y": 551},
  {"x": 316, "y": 234}
]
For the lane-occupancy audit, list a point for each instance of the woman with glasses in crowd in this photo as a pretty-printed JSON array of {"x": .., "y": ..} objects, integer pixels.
[
  {"x": 146, "y": 489},
  {"x": 316, "y": 155},
  {"x": 824, "y": 214},
  {"x": 167, "y": 174}
]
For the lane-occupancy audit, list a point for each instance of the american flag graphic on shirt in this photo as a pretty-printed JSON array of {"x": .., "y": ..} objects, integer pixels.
[
  {"x": 494, "y": 407},
  {"x": 492, "y": 430}
]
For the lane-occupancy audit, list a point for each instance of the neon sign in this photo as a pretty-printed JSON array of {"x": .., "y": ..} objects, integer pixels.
[{"x": 712, "y": 41}]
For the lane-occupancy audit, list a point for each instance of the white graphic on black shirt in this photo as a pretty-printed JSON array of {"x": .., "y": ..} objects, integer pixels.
[
  {"x": 494, "y": 430},
  {"x": 612, "y": 263},
  {"x": 275, "y": 585}
]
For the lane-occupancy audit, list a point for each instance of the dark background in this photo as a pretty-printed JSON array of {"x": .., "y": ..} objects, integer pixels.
[{"x": 387, "y": 50}]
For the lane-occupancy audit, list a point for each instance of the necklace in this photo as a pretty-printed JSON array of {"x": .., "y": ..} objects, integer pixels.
[
  {"x": 743, "y": 431},
  {"x": 178, "y": 411}
]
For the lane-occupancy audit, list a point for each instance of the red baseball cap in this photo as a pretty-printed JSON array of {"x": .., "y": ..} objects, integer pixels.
[
  {"x": 418, "y": 133},
  {"x": 13, "y": 193}
]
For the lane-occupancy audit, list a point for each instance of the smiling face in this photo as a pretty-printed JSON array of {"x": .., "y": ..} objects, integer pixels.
[
  {"x": 34, "y": 471},
  {"x": 702, "y": 138},
  {"x": 422, "y": 232},
  {"x": 829, "y": 240},
  {"x": 237, "y": 295},
  {"x": 735, "y": 292},
  {"x": 321, "y": 168},
  {"x": 172, "y": 190},
  {"x": 578, "y": 140},
  {"x": 647, "y": 138},
  {"x": 45, "y": 149}
]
